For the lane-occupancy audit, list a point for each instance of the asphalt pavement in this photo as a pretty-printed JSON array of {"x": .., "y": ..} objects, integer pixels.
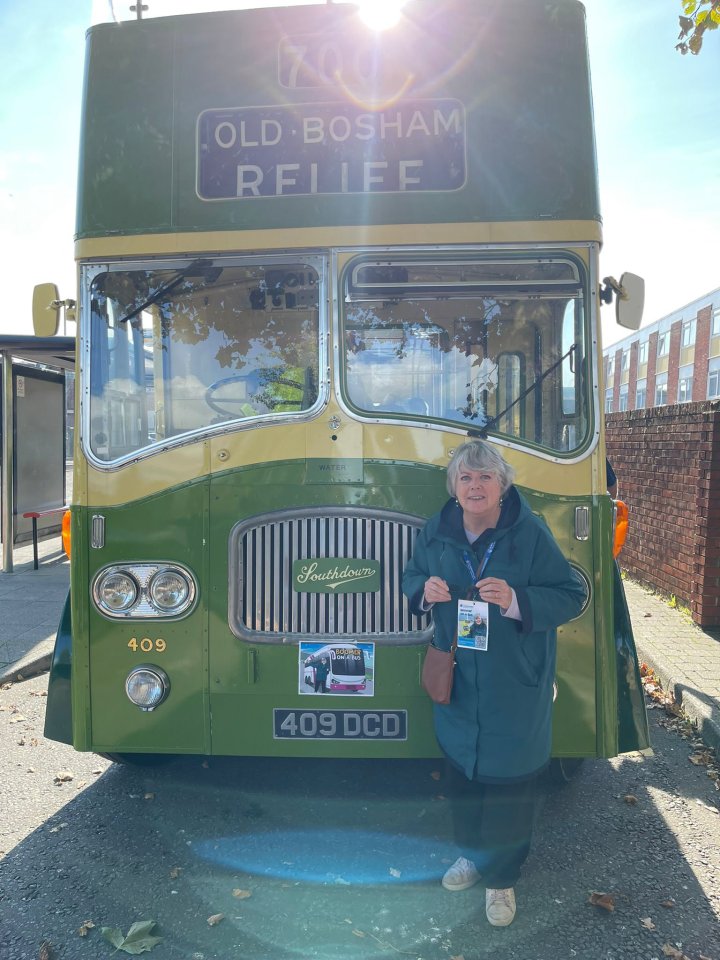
[{"x": 685, "y": 658}]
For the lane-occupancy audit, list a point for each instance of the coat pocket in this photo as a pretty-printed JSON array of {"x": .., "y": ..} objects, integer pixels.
[{"x": 531, "y": 660}]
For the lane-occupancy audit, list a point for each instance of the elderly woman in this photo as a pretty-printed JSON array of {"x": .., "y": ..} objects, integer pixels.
[{"x": 486, "y": 544}]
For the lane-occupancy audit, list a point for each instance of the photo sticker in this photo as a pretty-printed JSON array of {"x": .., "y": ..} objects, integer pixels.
[{"x": 343, "y": 668}]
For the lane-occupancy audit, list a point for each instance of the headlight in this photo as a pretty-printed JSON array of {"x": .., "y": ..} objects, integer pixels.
[
  {"x": 117, "y": 592},
  {"x": 147, "y": 687},
  {"x": 139, "y": 591},
  {"x": 169, "y": 590}
]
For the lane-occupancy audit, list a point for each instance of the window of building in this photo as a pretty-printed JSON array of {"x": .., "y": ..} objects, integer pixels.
[
  {"x": 688, "y": 333},
  {"x": 716, "y": 322},
  {"x": 663, "y": 344},
  {"x": 661, "y": 390},
  {"x": 713, "y": 389},
  {"x": 625, "y": 360},
  {"x": 608, "y": 401},
  {"x": 611, "y": 366},
  {"x": 640, "y": 394},
  {"x": 642, "y": 351},
  {"x": 685, "y": 384},
  {"x": 623, "y": 405}
]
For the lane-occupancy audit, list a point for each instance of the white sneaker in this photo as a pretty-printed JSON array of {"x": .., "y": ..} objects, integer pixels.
[
  {"x": 461, "y": 875},
  {"x": 500, "y": 906}
]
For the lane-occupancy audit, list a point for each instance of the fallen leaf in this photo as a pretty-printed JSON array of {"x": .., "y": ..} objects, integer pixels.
[
  {"x": 64, "y": 776},
  {"x": 358, "y": 933},
  {"x": 45, "y": 951},
  {"x": 671, "y": 951},
  {"x": 604, "y": 900},
  {"x": 139, "y": 937},
  {"x": 457, "y": 956},
  {"x": 175, "y": 873},
  {"x": 647, "y": 923},
  {"x": 436, "y": 774},
  {"x": 149, "y": 796},
  {"x": 630, "y": 799},
  {"x": 241, "y": 894},
  {"x": 668, "y": 904},
  {"x": 700, "y": 759},
  {"x": 18, "y": 718},
  {"x": 86, "y": 928},
  {"x": 215, "y": 919}
]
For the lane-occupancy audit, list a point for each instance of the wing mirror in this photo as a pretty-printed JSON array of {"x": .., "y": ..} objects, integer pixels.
[{"x": 629, "y": 299}]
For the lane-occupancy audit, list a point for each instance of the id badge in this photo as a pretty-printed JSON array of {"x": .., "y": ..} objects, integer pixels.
[{"x": 473, "y": 625}]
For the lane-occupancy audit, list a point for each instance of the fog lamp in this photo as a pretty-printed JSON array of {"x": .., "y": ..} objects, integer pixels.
[{"x": 147, "y": 687}]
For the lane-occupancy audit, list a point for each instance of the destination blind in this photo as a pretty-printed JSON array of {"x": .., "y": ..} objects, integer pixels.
[{"x": 331, "y": 148}]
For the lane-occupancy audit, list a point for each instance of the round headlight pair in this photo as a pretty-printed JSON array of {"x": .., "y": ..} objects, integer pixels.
[{"x": 144, "y": 590}]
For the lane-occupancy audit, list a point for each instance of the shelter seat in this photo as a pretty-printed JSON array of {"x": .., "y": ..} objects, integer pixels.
[{"x": 35, "y": 515}]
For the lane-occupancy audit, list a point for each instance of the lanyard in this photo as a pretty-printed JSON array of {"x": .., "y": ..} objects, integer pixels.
[{"x": 483, "y": 563}]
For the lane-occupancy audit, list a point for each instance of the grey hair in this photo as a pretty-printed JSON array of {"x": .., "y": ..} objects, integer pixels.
[{"x": 478, "y": 455}]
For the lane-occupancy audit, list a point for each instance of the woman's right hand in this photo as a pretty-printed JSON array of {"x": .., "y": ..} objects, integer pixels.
[{"x": 436, "y": 590}]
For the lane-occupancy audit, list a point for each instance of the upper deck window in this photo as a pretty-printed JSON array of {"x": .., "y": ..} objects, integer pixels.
[
  {"x": 493, "y": 346},
  {"x": 182, "y": 348}
]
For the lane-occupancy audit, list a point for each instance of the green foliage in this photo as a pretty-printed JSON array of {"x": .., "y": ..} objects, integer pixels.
[
  {"x": 698, "y": 16},
  {"x": 138, "y": 939}
]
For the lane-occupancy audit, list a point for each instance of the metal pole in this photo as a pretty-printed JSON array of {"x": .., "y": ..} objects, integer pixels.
[{"x": 8, "y": 455}]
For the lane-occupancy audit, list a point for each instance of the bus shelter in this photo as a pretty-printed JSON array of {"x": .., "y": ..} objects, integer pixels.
[{"x": 33, "y": 432}]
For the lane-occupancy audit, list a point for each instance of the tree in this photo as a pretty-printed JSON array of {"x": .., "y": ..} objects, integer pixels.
[{"x": 699, "y": 16}]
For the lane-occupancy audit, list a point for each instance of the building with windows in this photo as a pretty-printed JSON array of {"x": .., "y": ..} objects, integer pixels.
[{"x": 674, "y": 360}]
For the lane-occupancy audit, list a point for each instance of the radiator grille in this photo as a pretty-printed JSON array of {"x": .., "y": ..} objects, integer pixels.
[{"x": 263, "y": 604}]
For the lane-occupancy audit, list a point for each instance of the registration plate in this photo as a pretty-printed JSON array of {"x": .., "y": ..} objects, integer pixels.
[{"x": 339, "y": 724}]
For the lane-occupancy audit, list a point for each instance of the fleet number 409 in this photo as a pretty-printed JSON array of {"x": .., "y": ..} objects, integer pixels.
[{"x": 146, "y": 645}]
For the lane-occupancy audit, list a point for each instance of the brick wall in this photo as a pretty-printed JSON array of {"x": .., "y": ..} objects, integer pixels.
[{"x": 667, "y": 460}]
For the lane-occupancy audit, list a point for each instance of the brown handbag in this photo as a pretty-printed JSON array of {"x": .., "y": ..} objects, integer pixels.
[{"x": 437, "y": 672}]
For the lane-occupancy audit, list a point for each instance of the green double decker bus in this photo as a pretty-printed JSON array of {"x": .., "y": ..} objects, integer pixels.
[{"x": 313, "y": 258}]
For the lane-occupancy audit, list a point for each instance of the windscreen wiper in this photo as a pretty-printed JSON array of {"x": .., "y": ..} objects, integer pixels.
[
  {"x": 196, "y": 265},
  {"x": 493, "y": 421}
]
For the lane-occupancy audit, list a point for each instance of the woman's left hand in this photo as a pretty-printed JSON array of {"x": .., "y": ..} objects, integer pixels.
[{"x": 493, "y": 590}]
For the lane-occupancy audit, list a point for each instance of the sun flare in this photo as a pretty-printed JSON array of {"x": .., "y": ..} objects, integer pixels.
[{"x": 380, "y": 14}]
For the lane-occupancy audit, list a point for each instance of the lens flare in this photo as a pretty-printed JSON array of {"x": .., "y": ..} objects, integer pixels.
[{"x": 380, "y": 14}]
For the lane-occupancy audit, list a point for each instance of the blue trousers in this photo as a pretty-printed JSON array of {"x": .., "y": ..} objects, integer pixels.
[{"x": 492, "y": 824}]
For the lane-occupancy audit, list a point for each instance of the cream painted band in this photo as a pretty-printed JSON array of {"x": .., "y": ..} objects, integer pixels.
[
  {"x": 300, "y": 441},
  {"x": 234, "y": 241}
]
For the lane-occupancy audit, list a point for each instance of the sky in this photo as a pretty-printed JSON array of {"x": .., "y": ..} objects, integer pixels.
[{"x": 656, "y": 117}]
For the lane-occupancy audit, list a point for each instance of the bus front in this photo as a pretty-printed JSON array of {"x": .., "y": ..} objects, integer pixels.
[{"x": 313, "y": 259}]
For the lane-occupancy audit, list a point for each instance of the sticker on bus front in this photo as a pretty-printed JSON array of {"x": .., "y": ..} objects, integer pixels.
[
  {"x": 340, "y": 668},
  {"x": 339, "y": 724}
]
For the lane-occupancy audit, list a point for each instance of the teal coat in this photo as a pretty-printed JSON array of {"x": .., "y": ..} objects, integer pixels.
[{"x": 498, "y": 724}]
